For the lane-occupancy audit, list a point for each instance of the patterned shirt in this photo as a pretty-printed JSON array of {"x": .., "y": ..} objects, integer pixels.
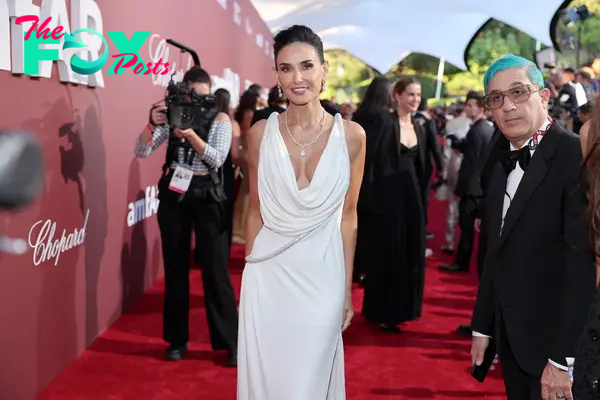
[{"x": 217, "y": 147}]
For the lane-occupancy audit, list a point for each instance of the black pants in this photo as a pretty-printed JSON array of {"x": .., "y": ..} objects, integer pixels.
[
  {"x": 208, "y": 219},
  {"x": 519, "y": 384},
  {"x": 482, "y": 250},
  {"x": 466, "y": 221}
]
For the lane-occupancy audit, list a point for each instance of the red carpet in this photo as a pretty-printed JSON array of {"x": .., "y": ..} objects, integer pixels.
[{"x": 427, "y": 361}]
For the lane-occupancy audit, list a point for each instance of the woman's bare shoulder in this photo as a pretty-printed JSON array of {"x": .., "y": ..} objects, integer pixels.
[
  {"x": 355, "y": 137},
  {"x": 256, "y": 132}
]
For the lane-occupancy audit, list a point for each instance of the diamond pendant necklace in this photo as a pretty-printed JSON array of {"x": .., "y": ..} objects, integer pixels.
[{"x": 302, "y": 146}]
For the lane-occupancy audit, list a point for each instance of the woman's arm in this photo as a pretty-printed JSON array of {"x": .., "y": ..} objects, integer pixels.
[
  {"x": 149, "y": 140},
  {"x": 215, "y": 150},
  {"x": 246, "y": 122},
  {"x": 236, "y": 141},
  {"x": 356, "y": 140},
  {"x": 583, "y": 137},
  {"x": 584, "y": 141},
  {"x": 254, "y": 220}
]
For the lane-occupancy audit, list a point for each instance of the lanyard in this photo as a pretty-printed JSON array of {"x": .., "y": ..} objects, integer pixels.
[{"x": 535, "y": 140}]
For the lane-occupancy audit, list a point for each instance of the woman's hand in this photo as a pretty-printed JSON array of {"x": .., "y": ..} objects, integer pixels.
[
  {"x": 157, "y": 115},
  {"x": 185, "y": 133},
  {"x": 348, "y": 311}
]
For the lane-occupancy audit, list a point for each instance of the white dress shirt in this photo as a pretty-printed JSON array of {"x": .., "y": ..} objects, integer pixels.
[{"x": 512, "y": 184}]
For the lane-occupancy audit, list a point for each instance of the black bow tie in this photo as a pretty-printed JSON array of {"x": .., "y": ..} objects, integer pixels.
[{"x": 510, "y": 159}]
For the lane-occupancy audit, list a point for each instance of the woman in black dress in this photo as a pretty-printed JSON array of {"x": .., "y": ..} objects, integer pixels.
[
  {"x": 371, "y": 114},
  {"x": 391, "y": 230},
  {"x": 586, "y": 374}
]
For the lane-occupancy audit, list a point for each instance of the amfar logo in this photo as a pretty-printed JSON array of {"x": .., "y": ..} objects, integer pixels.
[
  {"x": 46, "y": 247},
  {"x": 143, "y": 208}
]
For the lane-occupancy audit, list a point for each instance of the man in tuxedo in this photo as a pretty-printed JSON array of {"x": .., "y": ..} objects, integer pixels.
[
  {"x": 468, "y": 188},
  {"x": 433, "y": 155},
  {"x": 539, "y": 277}
]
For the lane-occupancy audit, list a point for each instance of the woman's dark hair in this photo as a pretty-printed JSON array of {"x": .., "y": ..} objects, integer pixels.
[
  {"x": 298, "y": 34},
  {"x": 197, "y": 75},
  {"x": 223, "y": 100},
  {"x": 591, "y": 169},
  {"x": 377, "y": 99},
  {"x": 275, "y": 98},
  {"x": 247, "y": 102},
  {"x": 256, "y": 88},
  {"x": 403, "y": 83}
]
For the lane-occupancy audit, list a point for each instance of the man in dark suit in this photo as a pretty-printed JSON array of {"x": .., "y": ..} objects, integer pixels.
[
  {"x": 491, "y": 157},
  {"x": 468, "y": 187},
  {"x": 539, "y": 274},
  {"x": 433, "y": 156}
]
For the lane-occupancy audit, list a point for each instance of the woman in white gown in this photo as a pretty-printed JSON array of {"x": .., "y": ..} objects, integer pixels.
[{"x": 305, "y": 168}]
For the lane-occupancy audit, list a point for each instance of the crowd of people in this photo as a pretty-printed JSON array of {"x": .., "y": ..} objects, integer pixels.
[{"x": 329, "y": 195}]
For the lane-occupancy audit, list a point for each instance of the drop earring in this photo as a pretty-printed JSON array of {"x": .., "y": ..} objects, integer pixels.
[
  {"x": 323, "y": 86},
  {"x": 279, "y": 90}
]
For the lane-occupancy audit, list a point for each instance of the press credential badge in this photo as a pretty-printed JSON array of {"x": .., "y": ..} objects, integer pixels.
[{"x": 180, "y": 182}]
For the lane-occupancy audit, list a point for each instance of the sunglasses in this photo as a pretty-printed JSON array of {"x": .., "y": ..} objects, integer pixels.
[{"x": 517, "y": 94}]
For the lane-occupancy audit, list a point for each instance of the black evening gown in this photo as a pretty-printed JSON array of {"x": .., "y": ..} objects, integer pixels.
[
  {"x": 586, "y": 371},
  {"x": 391, "y": 229}
]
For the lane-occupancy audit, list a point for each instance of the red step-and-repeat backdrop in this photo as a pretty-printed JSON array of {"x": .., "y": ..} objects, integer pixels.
[{"x": 59, "y": 295}]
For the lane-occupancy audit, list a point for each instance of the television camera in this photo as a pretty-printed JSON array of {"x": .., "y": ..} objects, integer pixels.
[
  {"x": 21, "y": 178},
  {"x": 571, "y": 17},
  {"x": 186, "y": 108}
]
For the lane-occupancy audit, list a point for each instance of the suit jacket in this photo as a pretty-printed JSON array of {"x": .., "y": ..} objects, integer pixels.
[
  {"x": 433, "y": 151},
  {"x": 473, "y": 148},
  {"x": 490, "y": 157},
  {"x": 539, "y": 274},
  {"x": 379, "y": 190}
]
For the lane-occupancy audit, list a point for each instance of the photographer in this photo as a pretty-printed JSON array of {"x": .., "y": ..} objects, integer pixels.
[{"x": 191, "y": 195}]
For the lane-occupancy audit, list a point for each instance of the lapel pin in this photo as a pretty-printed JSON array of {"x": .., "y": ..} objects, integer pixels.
[{"x": 532, "y": 145}]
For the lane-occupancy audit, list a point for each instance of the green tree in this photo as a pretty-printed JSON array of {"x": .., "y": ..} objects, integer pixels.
[
  {"x": 492, "y": 42},
  {"x": 498, "y": 39},
  {"x": 592, "y": 5},
  {"x": 346, "y": 73},
  {"x": 568, "y": 35},
  {"x": 459, "y": 84}
]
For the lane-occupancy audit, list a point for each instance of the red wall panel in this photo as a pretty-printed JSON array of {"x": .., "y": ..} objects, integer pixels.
[{"x": 52, "y": 308}]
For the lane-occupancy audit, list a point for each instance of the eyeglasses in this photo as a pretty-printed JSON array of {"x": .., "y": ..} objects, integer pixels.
[{"x": 517, "y": 94}]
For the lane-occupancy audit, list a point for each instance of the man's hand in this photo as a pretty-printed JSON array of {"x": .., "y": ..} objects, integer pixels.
[
  {"x": 556, "y": 383},
  {"x": 157, "y": 117},
  {"x": 478, "y": 347},
  {"x": 477, "y": 224}
]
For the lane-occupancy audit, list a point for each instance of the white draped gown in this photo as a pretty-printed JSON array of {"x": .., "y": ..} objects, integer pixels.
[{"x": 293, "y": 286}]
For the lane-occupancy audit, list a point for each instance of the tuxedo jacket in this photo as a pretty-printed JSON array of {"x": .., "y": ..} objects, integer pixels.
[
  {"x": 433, "y": 150},
  {"x": 473, "y": 147},
  {"x": 539, "y": 273}
]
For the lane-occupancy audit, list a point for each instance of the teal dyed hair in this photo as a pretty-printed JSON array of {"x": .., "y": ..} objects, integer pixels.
[{"x": 510, "y": 61}]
